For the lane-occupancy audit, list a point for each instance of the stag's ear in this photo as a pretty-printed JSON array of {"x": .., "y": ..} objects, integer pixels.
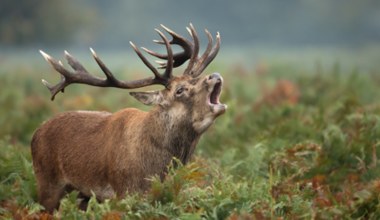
[{"x": 148, "y": 98}]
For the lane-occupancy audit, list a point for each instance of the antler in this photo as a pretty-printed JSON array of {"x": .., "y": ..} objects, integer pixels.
[
  {"x": 190, "y": 51},
  {"x": 82, "y": 76},
  {"x": 178, "y": 58}
]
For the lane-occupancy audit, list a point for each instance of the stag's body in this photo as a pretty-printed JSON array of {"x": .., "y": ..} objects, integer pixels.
[
  {"x": 119, "y": 151},
  {"x": 112, "y": 154}
]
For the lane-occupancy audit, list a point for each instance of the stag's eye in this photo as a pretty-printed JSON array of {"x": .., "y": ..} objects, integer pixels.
[{"x": 179, "y": 91}]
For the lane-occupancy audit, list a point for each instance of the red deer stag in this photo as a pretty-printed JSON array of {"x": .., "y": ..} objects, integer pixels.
[{"x": 112, "y": 154}]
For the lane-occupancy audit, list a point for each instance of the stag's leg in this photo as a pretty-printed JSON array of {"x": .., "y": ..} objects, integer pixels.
[
  {"x": 120, "y": 186},
  {"x": 49, "y": 186},
  {"x": 50, "y": 191},
  {"x": 84, "y": 201},
  {"x": 129, "y": 185},
  {"x": 49, "y": 195}
]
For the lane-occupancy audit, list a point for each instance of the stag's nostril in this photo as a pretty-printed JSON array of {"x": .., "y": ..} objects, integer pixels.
[{"x": 214, "y": 76}]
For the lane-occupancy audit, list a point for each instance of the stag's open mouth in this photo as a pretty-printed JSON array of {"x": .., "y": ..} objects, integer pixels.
[
  {"x": 217, "y": 107},
  {"x": 215, "y": 93}
]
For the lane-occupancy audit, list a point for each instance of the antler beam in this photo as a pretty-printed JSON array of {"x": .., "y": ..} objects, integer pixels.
[{"x": 82, "y": 76}]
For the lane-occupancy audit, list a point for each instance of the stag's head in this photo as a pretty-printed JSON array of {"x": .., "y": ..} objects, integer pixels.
[{"x": 190, "y": 96}]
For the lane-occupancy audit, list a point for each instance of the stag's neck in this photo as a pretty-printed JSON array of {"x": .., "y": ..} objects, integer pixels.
[{"x": 172, "y": 135}]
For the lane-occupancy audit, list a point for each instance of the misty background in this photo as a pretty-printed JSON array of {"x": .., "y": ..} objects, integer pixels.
[{"x": 297, "y": 31}]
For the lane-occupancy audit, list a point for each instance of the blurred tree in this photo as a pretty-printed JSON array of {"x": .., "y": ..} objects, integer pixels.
[{"x": 25, "y": 22}]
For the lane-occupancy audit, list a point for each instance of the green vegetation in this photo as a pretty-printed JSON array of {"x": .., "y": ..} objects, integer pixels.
[{"x": 292, "y": 145}]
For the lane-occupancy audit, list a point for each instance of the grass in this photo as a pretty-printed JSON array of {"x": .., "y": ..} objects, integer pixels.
[{"x": 292, "y": 145}]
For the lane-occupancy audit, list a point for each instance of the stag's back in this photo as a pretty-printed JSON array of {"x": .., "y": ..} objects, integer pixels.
[{"x": 65, "y": 142}]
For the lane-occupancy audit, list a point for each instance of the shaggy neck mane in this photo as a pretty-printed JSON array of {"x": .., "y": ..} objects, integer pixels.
[{"x": 176, "y": 135}]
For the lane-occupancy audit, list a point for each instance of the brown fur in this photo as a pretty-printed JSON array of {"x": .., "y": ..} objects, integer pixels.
[{"x": 111, "y": 154}]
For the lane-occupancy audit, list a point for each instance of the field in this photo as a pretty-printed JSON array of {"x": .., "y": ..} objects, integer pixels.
[{"x": 294, "y": 144}]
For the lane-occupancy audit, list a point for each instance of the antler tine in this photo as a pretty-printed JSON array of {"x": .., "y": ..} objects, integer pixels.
[
  {"x": 207, "y": 51},
  {"x": 162, "y": 64},
  {"x": 74, "y": 62},
  {"x": 186, "y": 45},
  {"x": 113, "y": 82},
  {"x": 169, "y": 63},
  {"x": 211, "y": 55},
  {"x": 209, "y": 45},
  {"x": 194, "y": 55},
  {"x": 177, "y": 39},
  {"x": 158, "y": 55},
  {"x": 179, "y": 58},
  {"x": 104, "y": 68},
  {"x": 54, "y": 90},
  {"x": 146, "y": 62}
]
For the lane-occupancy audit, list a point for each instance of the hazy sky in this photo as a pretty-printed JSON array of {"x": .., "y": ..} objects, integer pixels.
[
  {"x": 278, "y": 22},
  {"x": 252, "y": 29}
]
